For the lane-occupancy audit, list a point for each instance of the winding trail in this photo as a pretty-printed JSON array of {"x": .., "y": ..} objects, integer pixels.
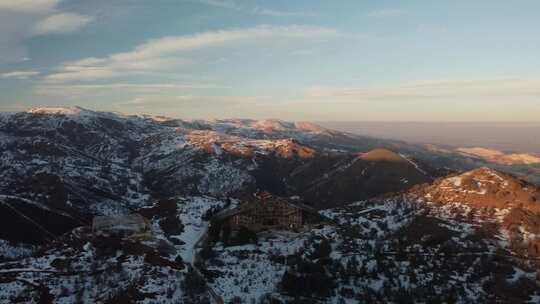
[{"x": 196, "y": 257}]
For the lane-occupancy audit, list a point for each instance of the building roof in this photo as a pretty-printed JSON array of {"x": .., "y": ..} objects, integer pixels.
[
  {"x": 130, "y": 222},
  {"x": 262, "y": 198}
]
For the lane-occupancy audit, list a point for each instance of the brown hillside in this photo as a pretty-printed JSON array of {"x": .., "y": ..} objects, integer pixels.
[
  {"x": 329, "y": 181},
  {"x": 485, "y": 187},
  {"x": 382, "y": 155}
]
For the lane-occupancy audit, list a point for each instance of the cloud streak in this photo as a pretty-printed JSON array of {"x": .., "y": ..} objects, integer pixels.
[
  {"x": 61, "y": 23},
  {"x": 433, "y": 90},
  {"x": 19, "y": 75},
  {"x": 196, "y": 106},
  {"x": 386, "y": 13},
  {"x": 256, "y": 10},
  {"x": 24, "y": 19},
  {"x": 168, "y": 53},
  {"x": 79, "y": 89},
  {"x": 29, "y": 6}
]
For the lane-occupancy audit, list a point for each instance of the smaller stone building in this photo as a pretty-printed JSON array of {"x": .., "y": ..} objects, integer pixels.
[
  {"x": 266, "y": 212},
  {"x": 122, "y": 225}
]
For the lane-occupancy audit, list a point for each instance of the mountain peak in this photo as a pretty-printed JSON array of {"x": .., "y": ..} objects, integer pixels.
[
  {"x": 382, "y": 155},
  {"x": 271, "y": 124},
  {"x": 477, "y": 181},
  {"x": 485, "y": 187},
  {"x": 308, "y": 126},
  {"x": 74, "y": 110}
]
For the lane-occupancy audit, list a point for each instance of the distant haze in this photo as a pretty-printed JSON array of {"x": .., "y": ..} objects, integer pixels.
[{"x": 508, "y": 137}]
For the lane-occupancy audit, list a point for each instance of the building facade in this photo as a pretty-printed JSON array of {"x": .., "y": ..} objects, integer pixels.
[
  {"x": 267, "y": 212},
  {"x": 123, "y": 225}
]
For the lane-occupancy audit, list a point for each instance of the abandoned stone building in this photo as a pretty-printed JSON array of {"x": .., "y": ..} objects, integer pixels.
[
  {"x": 265, "y": 212},
  {"x": 122, "y": 225}
]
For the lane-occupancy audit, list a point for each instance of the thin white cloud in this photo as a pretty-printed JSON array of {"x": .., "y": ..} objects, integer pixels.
[
  {"x": 23, "y": 19},
  {"x": 19, "y": 75},
  {"x": 165, "y": 53},
  {"x": 29, "y": 6},
  {"x": 82, "y": 73},
  {"x": 82, "y": 89},
  {"x": 61, "y": 23},
  {"x": 174, "y": 44},
  {"x": 433, "y": 90},
  {"x": 257, "y": 10},
  {"x": 385, "y": 13},
  {"x": 193, "y": 106},
  {"x": 191, "y": 100},
  {"x": 222, "y": 4},
  {"x": 279, "y": 13}
]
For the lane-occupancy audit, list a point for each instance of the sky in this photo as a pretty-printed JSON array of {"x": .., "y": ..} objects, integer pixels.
[{"x": 315, "y": 60}]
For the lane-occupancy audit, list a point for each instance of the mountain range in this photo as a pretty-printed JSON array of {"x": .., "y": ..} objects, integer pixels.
[{"x": 404, "y": 222}]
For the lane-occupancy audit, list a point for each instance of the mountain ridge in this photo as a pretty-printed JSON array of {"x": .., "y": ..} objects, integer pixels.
[{"x": 402, "y": 220}]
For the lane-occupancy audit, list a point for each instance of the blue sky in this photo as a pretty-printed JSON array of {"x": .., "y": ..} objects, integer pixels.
[{"x": 296, "y": 60}]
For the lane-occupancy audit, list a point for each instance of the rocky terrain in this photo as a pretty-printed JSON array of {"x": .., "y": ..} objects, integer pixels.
[{"x": 402, "y": 221}]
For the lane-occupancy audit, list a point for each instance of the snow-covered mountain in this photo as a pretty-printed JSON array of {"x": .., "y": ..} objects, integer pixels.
[
  {"x": 84, "y": 163},
  {"x": 403, "y": 221}
]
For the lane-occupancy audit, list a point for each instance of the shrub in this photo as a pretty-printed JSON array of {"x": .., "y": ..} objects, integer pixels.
[{"x": 244, "y": 236}]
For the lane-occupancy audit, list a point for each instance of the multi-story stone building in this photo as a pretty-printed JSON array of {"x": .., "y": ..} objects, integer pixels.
[{"x": 265, "y": 212}]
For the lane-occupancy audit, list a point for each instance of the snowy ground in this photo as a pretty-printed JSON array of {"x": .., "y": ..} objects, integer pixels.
[
  {"x": 192, "y": 211},
  {"x": 248, "y": 271}
]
